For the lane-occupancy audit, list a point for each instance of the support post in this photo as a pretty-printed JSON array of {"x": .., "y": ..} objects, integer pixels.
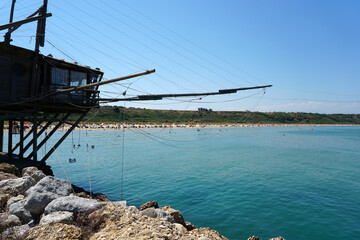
[
  {"x": 10, "y": 137},
  {"x": 35, "y": 137},
  {"x": 50, "y": 134},
  {"x": 21, "y": 141},
  {"x": 39, "y": 134},
  {"x": 63, "y": 138},
  {"x": 26, "y": 136},
  {"x": 1, "y": 135},
  {"x": 8, "y": 34}
]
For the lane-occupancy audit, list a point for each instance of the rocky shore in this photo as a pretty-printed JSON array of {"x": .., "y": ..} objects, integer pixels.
[{"x": 36, "y": 206}]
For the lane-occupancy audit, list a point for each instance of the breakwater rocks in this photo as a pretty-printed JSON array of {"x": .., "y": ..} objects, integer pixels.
[{"x": 36, "y": 206}]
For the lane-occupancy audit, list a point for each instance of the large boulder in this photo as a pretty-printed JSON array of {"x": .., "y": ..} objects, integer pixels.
[
  {"x": 18, "y": 210},
  {"x": 46, "y": 190},
  {"x": 57, "y": 217},
  {"x": 17, "y": 186},
  {"x": 8, "y": 220},
  {"x": 4, "y": 176},
  {"x": 72, "y": 204},
  {"x": 9, "y": 168},
  {"x": 33, "y": 172}
]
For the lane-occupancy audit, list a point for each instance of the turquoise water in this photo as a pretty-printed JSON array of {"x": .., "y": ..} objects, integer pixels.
[{"x": 275, "y": 181}]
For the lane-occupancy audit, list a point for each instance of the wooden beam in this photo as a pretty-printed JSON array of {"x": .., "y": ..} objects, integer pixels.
[
  {"x": 21, "y": 22},
  {"x": 101, "y": 83},
  {"x": 51, "y": 133},
  {"x": 63, "y": 138},
  {"x": 21, "y": 141},
  {"x": 35, "y": 126},
  {"x": 10, "y": 132},
  {"x": 1, "y": 135}
]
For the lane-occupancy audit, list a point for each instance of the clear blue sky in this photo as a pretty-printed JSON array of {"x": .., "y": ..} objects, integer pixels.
[{"x": 309, "y": 50}]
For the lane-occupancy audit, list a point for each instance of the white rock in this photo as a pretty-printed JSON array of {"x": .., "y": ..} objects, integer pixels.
[
  {"x": 165, "y": 215},
  {"x": 18, "y": 210},
  {"x": 17, "y": 232},
  {"x": 181, "y": 229},
  {"x": 33, "y": 172},
  {"x": 14, "y": 200},
  {"x": 16, "y": 186},
  {"x": 72, "y": 204},
  {"x": 45, "y": 191},
  {"x": 58, "y": 217}
]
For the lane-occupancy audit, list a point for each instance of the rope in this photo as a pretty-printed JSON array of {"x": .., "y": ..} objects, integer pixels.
[
  {"x": 88, "y": 158},
  {"x": 67, "y": 178}
]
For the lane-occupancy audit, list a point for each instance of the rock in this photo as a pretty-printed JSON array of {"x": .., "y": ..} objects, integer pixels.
[
  {"x": 8, "y": 220},
  {"x": 3, "y": 199},
  {"x": 55, "y": 231},
  {"x": 72, "y": 204},
  {"x": 9, "y": 168},
  {"x": 4, "y": 176},
  {"x": 18, "y": 210},
  {"x": 253, "y": 238},
  {"x": 14, "y": 200},
  {"x": 189, "y": 226},
  {"x": 203, "y": 238},
  {"x": 277, "y": 238},
  {"x": 150, "y": 212},
  {"x": 17, "y": 232},
  {"x": 162, "y": 214},
  {"x": 179, "y": 227},
  {"x": 58, "y": 217},
  {"x": 176, "y": 214},
  {"x": 17, "y": 186},
  {"x": 33, "y": 172},
  {"x": 45, "y": 191},
  {"x": 151, "y": 204}
]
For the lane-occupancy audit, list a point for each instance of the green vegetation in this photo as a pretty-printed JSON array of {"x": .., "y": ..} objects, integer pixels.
[{"x": 137, "y": 115}]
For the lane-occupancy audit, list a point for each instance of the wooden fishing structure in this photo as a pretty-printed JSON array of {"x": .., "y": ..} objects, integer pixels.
[{"x": 45, "y": 91}]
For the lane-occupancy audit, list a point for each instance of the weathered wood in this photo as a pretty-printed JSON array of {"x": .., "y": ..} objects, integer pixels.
[
  {"x": 62, "y": 138},
  {"x": 1, "y": 135},
  {"x": 102, "y": 83},
  {"x": 10, "y": 133},
  {"x": 51, "y": 133},
  {"x": 21, "y": 141},
  {"x": 21, "y": 22}
]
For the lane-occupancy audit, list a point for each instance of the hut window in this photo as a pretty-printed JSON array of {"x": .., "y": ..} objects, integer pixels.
[
  {"x": 59, "y": 76},
  {"x": 77, "y": 78}
]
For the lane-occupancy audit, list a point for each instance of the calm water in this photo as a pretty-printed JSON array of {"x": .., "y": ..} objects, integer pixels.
[{"x": 300, "y": 184}]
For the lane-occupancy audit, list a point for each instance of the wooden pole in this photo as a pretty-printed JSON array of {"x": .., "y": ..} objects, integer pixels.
[
  {"x": 1, "y": 135},
  {"x": 8, "y": 34},
  {"x": 10, "y": 137},
  {"x": 35, "y": 126},
  {"x": 21, "y": 141}
]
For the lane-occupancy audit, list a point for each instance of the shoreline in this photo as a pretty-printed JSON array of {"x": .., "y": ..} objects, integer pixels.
[{"x": 117, "y": 126}]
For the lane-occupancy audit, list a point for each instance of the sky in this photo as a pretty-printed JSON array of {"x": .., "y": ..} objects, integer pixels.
[{"x": 308, "y": 50}]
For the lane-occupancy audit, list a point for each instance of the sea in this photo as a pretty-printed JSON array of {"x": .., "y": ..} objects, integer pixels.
[{"x": 295, "y": 182}]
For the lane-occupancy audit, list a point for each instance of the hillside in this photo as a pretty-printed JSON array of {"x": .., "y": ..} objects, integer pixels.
[{"x": 138, "y": 115}]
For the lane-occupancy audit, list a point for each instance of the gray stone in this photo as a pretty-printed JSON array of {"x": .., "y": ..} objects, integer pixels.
[
  {"x": 162, "y": 214},
  {"x": 18, "y": 210},
  {"x": 17, "y": 186},
  {"x": 14, "y": 200},
  {"x": 8, "y": 220},
  {"x": 72, "y": 204},
  {"x": 58, "y": 217},
  {"x": 17, "y": 232},
  {"x": 150, "y": 212},
  {"x": 46, "y": 190},
  {"x": 33, "y": 172}
]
